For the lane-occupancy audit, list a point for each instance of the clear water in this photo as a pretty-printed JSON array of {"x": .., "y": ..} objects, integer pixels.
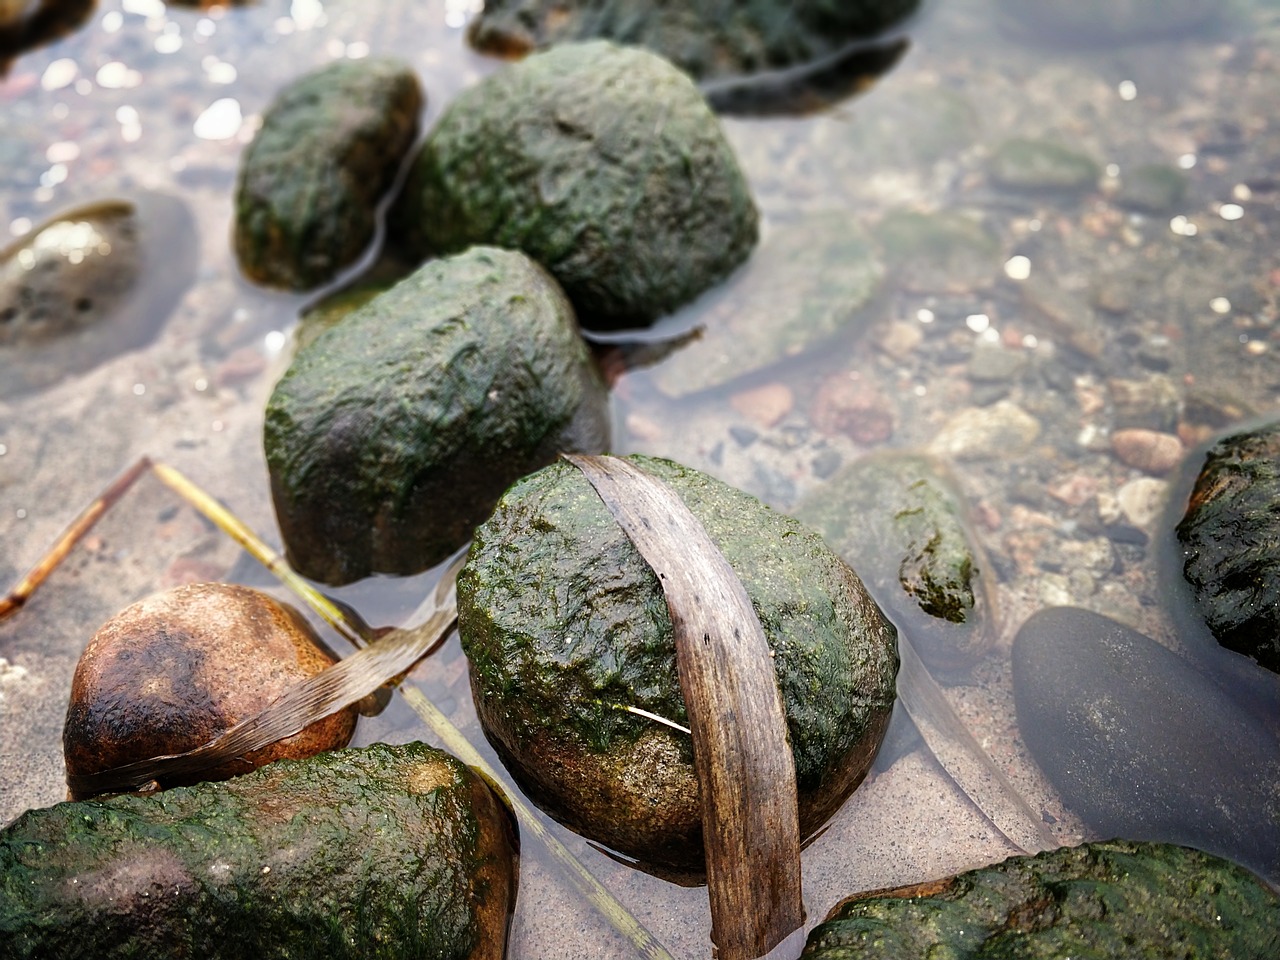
[{"x": 1030, "y": 330}]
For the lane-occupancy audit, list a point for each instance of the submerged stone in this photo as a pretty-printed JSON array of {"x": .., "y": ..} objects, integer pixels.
[
  {"x": 1041, "y": 166},
  {"x": 1099, "y": 901},
  {"x": 393, "y": 434},
  {"x": 939, "y": 252},
  {"x": 604, "y": 164},
  {"x": 900, "y": 523},
  {"x": 563, "y": 621},
  {"x": 1153, "y": 188},
  {"x": 1142, "y": 743},
  {"x": 329, "y": 147},
  {"x": 1230, "y": 537},
  {"x": 709, "y": 41},
  {"x": 809, "y": 282},
  {"x": 176, "y": 669},
  {"x": 385, "y": 852},
  {"x": 93, "y": 282}
]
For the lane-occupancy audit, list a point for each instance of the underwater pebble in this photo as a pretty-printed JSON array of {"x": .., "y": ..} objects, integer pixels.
[
  {"x": 1148, "y": 450},
  {"x": 977, "y": 433}
]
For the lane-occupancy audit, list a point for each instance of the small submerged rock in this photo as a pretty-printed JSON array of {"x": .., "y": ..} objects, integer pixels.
[
  {"x": 92, "y": 282},
  {"x": 941, "y": 252},
  {"x": 563, "y": 621},
  {"x": 393, "y": 433},
  {"x": 1152, "y": 188},
  {"x": 900, "y": 523},
  {"x": 309, "y": 184},
  {"x": 1100, "y": 901},
  {"x": 1041, "y": 166},
  {"x": 604, "y": 164},
  {"x": 176, "y": 669},
  {"x": 1142, "y": 743},
  {"x": 381, "y": 852},
  {"x": 1230, "y": 537}
]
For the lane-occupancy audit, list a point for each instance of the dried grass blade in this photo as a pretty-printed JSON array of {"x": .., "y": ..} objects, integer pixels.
[
  {"x": 745, "y": 770},
  {"x": 315, "y": 698},
  {"x": 963, "y": 758}
]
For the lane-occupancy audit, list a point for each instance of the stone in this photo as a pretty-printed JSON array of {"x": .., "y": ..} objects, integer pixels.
[
  {"x": 810, "y": 283},
  {"x": 853, "y": 408},
  {"x": 381, "y": 852},
  {"x": 1142, "y": 501},
  {"x": 92, "y": 282},
  {"x": 899, "y": 521},
  {"x": 562, "y": 621},
  {"x": 1041, "y": 166},
  {"x": 978, "y": 433},
  {"x": 1098, "y": 901},
  {"x": 944, "y": 252},
  {"x": 1153, "y": 188},
  {"x": 393, "y": 434},
  {"x": 993, "y": 363},
  {"x": 1150, "y": 403},
  {"x": 309, "y": 184},
  {"x": 176, "y": 669},
  {"x": 1230, "y": 537},
  {"x": 1148, "y": 450},
  {"x": 604, "y": 164},
  {"x": 1144, "y": 744}
]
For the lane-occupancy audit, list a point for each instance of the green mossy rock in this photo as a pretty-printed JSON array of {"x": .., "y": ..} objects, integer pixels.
[
  {"x": 561, "y": 620},
  {"x": 899, "y": 521},
  {"x": 386, "y": 852},
  {"x": 1231, "y": 543},
  {"x": 1033, "y": 166},
  {"x": 1100, "y": 901},
  {"x": 329, "y": 147},
  {"x": 393, "y": 433},
  {"x": 604, "y": 164}
]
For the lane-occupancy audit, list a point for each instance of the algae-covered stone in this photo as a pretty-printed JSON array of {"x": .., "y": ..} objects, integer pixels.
[
  {"x": 392, "y": 434},
  {"x": 947, "y": 251},
  {"x": 899, "y": 521},
  {"x": 602, "y": 163},
  {"x": 329, "y": 147},
  {"x": 1099, "y": 901},
  {"x": 710, "y": 41},
  {"x": 386, "y": 852},
  {"x": 1038, "y": 165},
  {"x": 1230, "y": 536},
  {"x": 563, "y": 621},
  {"x": 1145, "y": 744},
  {"x": 1109, "y": 21},
  {"x": 810, "y": 281},
  {"x": 176, "y": 669},
  {"x": 1152, "y": 188}
]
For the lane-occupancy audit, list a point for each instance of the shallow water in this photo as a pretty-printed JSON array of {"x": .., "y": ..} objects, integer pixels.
[{"x": 1001, "y": 357}]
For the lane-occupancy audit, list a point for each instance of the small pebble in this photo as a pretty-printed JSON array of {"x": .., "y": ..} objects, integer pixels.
[
  {"x": 1142, "y": 501},
  {"x": 764, "y": 405},
  {"x": 853, "y": 408},
  {"x": 1148, "y": 450}
]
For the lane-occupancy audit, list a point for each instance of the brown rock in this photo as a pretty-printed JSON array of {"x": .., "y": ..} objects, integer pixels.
[
  {"x": 176, "y": 669},
  {"x": 853, "y": 408},
  {"x": 1148, "y": 450},
  {"x": 764, "y": 405}
]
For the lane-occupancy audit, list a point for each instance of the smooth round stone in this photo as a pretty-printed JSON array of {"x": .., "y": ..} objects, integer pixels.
[{"x": 1144, "y": 744}]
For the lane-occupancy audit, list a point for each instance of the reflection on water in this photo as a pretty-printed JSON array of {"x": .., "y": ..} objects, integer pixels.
[{"x": 1060, "y": 336}]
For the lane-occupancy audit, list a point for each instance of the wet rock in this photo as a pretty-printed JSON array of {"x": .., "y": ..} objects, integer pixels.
[
  {"x": 393, "y": 434},
  {"x": 1142, "y": 743},
  {"x": 1142, "y": 501},
  {"x": 176, "y": 669},
  {"x": 946, "y": 252},
  {"x": 991, "y": 363},
  {"x": 562, "y": 620},
  {"x": 708, "y": 41},
  {"x": 853, "y": 408},
  {"x": 810, "y": 282},
  {"x": 94, "y": 281},
  {"x": 978, "y": 433},
  {"x": 381, "y": 852},
  {"x": 899, "y": 521},
  {"x": 27, "y": 24},
  {"x": 764, "y": 405},
  {"x": 1100, "y": 900},
  {"x": 1041, "y": 166},
  {"x": 1230, "y": 537},
  {"x": 309, "y": 184},
  {"x": 1108, "y": 21},
  {"x": 1154, "y": 188},
  {"x": 332, "y": 309},
  {"x": 602, "y": 163},
  {"x": 1148, "y": 450},
  {"x": 1151, "y": 403}
]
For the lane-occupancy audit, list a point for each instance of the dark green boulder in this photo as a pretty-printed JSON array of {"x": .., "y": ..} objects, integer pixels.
[
  {"x": 604, "y": 164},
  {"x": 563, "y": 621},
  {"x": 392, "y": 434},
  {"x": 900, "y": 522},
  {"x": 1114, "y": 900},
  {"x": 309, "y": 184},
  {"x": 1143, "y": 743},
  {"x": 385, "y": 852},
  {"x": 1230, "y": 538}
]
